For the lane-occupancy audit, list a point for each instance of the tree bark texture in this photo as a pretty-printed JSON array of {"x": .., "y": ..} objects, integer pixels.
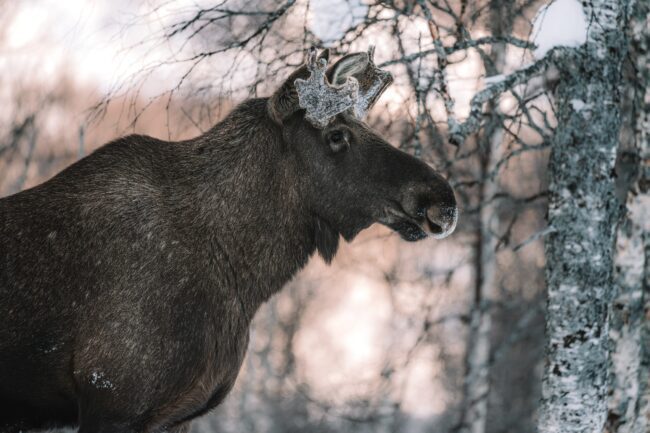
[
  {"x": 629, "y": 405},
  {"x": 583, "y": 215}
]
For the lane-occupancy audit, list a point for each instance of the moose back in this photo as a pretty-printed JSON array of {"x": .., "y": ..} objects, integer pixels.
[{"x": 129, "y": 280}]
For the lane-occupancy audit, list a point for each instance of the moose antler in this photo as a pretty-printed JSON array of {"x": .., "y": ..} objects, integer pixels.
[
  {"x": 321, "y": 100},
  {"x": 372, "y": 83}
]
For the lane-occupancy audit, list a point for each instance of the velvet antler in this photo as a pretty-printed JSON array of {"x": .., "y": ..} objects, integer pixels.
[
  {"x": 321, "y": 100},
  {"x": 372, "y": 83}
]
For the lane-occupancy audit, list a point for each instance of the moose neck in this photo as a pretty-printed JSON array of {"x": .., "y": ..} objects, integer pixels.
[{"x": 246, "y": 207}]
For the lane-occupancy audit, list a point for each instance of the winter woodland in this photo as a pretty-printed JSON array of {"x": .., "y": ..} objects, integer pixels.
[{"x": 533, "y": 316}]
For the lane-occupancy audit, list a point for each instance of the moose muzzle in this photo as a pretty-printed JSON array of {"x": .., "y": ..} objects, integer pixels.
[{"x": 441, "y": 220}]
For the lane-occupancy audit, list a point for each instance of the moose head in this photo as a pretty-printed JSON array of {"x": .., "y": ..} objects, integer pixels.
[{"x": 354, "y": 177}]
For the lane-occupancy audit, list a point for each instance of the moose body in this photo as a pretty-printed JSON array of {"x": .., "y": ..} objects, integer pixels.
[{"x": 129, "y": 280}]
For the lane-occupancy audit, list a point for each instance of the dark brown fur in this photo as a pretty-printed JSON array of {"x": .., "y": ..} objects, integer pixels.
[{"x": 129, "y": 280}]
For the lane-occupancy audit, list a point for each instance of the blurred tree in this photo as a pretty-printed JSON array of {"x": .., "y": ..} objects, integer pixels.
[{"x": 479, "y": 345}]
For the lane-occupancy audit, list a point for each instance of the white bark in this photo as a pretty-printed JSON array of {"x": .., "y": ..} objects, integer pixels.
[
  {"x": 642, "y": 422},
  {"x": 582, "y": 212},
  {"x": 477, "y": 381},
  {"x": 629, "y": 405},
  {"x": 640, "y": 204},
  {"x": 625, "y": 414}
]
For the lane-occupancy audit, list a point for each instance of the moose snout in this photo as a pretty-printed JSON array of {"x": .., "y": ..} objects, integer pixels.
[
  {"x": 427, "y": 209},
  {"x": 438, "y": 211},
  {"x": 441, "y": 220}
]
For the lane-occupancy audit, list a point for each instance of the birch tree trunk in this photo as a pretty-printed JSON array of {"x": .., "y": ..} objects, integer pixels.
[
  {"x": 582, "y": 212},
  {"x": 629, "y": 406},
  {"x": 477, "y": 381},
  {"x": 479, "y": 348},
  {"x": 642, "y": 422}
]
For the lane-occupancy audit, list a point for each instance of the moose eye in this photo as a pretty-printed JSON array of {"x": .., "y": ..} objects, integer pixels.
[
  {"x": 338, "y": 140},
  {"x": 337, "y": 136}
]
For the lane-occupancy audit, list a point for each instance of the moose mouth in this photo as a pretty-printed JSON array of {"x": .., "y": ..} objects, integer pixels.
[{"x": 416, "y": 228}]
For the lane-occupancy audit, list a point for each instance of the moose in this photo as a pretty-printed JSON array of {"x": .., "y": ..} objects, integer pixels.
[{"x": 128, "y": 281}]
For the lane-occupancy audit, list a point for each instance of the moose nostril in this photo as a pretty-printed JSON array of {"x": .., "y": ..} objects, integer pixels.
[
  {"x": 442, "y": 220},
  {"x": 435, "y": 228}
]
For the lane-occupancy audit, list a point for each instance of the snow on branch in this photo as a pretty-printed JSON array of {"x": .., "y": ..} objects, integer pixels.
[
  {"x": 458, "y": 132},
  {"x": 461, "y": 45}
]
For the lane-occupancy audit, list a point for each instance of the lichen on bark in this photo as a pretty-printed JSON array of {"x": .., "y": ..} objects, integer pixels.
[
  {"x": 583, "y": 215},
  {"x": 629, "y": 403}
]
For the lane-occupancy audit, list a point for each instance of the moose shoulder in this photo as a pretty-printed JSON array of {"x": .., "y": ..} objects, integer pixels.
[{"x": 129, "y": 280}]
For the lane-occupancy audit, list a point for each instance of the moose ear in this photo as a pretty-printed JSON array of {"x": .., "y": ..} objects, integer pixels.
[
  {"x": 347, "y": 66},
  {"x": 284, "y": 101}
]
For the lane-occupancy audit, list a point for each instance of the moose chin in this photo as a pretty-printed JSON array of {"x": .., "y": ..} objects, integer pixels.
[{"x": 129, "y": 280}]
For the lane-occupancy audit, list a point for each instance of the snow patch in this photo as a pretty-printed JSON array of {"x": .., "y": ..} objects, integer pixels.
[
  {"x": 494, "y": 79},
  {"x": 578, "y": 104},
  {"x": 98, "y": 379},
  {"x": 561, "y": 23}
]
